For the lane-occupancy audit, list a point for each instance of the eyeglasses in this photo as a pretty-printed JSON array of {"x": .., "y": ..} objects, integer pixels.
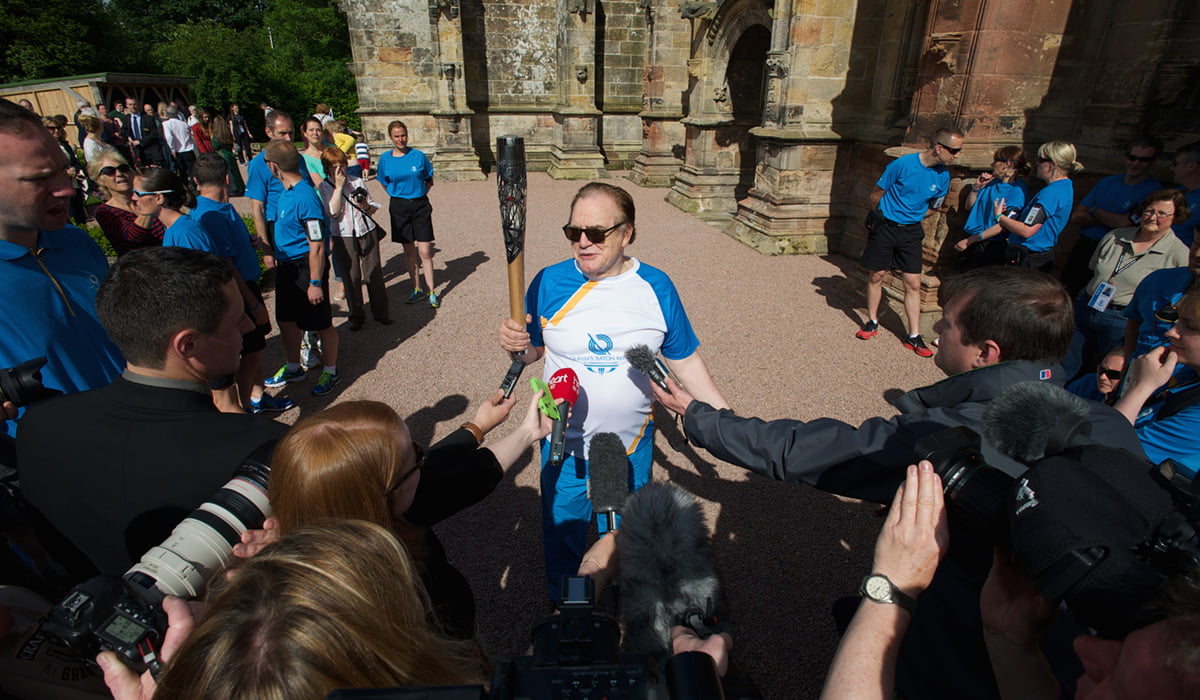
[
  {"x": 1159, "y": 214},
  {"x": 420, "y": 462},
  {"x": 1113, "y": 374},
  {"x": 1140, "y": 159},
  {"x": 139, "y": 193},
  {"x": 594, "y": 235},
  {"x": 951, "y": 151},
  {"x": 110, "y": 170}
]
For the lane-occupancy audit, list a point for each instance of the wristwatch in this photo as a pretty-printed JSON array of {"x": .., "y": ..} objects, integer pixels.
[
  {"x": 877, "y": 588},
  {"x": 315, "y": 283}
]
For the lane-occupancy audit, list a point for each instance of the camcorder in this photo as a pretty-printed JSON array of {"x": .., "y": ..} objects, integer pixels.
[
  {"x": 1095, "y": 527},
  {"x": 576, "y": 654},
  {"x": 124, "y": 613}
]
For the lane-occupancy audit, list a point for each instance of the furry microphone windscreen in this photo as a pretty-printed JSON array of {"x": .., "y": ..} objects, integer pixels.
[
  {"x": 1028, "y": 419},
  {"x": 641, "y": 359},
  {"x": 667, "y": 570},
  {"x": 608, "y": 473}
]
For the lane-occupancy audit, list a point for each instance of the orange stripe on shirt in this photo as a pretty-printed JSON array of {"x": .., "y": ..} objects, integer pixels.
[
  {"x": 572, "y": 302},
  {"x": 641, "y": 433}
]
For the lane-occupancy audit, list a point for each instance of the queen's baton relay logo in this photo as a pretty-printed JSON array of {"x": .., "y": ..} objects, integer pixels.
[{"x": 600, "y": 361}]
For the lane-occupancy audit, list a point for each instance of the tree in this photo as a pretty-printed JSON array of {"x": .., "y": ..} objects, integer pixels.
[{"x": 55, "y": 38}]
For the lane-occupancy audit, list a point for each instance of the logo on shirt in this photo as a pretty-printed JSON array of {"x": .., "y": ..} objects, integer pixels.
[
  {"x": 933, "y": 187},
  {"x": 1044, "y": 375},
  {"x": 600, "y": 361},
  {"x": 1026, "y": 498}
]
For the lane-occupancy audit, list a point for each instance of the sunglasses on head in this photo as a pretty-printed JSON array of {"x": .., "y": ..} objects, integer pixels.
[
  {"x": 110, "y": 170},
  {"x": 595, "y": 235},
  {"x": 1140, "y": 159},
  {"x": 951, "y": 151}
]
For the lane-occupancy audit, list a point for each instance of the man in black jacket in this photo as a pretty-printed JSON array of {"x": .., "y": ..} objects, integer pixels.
[
  {"x": 115, "y": 469},
  {"x": 1000, "y": 326},
  {"x": 143, "y": 133}
]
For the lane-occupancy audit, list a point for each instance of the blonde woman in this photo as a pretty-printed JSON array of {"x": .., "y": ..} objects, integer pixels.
[{"x": 1034, "y": 232}]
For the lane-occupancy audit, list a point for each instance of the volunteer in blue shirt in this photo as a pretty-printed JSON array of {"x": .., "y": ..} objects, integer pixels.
[
  {"x": 407, "y": 175},
  {"x": 1034, "y": 233},
  {"x": 1186, "y": 169},
  {"x": 1166, "y": 414},
  {"x": 985, "y": 242},
  {"x": 301, "y": 271},
  {"x": 909, "y": 188}
]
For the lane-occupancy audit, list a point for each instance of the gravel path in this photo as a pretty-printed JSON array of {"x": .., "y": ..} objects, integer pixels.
[{"x": 778, "y": 336}]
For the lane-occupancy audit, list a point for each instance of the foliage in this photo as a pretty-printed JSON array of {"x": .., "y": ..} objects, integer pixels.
[
  {"x": 94, "y": 230},
  {"x": 54, "y": 38},
  {"x": 291, "y": 54}
]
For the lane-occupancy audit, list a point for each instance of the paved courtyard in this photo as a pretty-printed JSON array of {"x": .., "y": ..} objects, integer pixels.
[{"x": 778, "y": 336}]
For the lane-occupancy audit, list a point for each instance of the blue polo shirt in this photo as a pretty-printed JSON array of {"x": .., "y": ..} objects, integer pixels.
[
  {"x": 910, "y": 188},
  {"x": 1187, "y": 230},
  {"x": 1056, "y": 201},
  {"x": 1158, "y": 289},
  {"x": 983, "y": 217},
  {"x": 230, "y": 234},
  {"x": 261, "y": 185},
  {"x": 1112, "y": 194},
  {"x": 404, "y": 176},
  {"x": 1174, "y": 437},
  {"x": 297, "y": 205},
  {"x": 186, "y": 233},
  {"x": 50, "y": 310}
]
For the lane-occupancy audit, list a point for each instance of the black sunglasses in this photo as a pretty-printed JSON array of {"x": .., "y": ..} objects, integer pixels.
[
  {"x": 1140, "y": 159},
  {"x": 1168, "y": 313},
  {"x": 1113, "y": 374},
  {"x": 594, "y": 235},
  {"x": 110, "y": 170},
  {"x": 951, "y": 151},
  {"x": 1045, "y": 160},
  {"x": 420, "y": 462}
]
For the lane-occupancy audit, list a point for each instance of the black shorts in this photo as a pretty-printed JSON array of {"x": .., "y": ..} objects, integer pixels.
[
  {"x": 255, "y": 340},
  {"x": 412, "y": 220},
  {"x": 892, "y": 246},
  {"x": 291, "y": 296}
]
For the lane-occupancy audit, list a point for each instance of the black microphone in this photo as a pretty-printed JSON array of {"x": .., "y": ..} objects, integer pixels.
[
  {"x": 564, "y": 388},
  {"x": 644, "y": 361},
  {"x": 667, "y": 572},
  {"x": 608, "y": 477},
  {"x": 1030, "y": 420}
]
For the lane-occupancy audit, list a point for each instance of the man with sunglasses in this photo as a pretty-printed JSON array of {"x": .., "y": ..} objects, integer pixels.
[
  {"x": 583, "y": 314},
  {"x": 49, "y": 271},
  {"x": 1109, "y": 205},
  {"x": 910, "y": 187}
]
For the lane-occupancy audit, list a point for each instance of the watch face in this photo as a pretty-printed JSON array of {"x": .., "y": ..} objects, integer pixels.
[{"x": 878, "y": 587}]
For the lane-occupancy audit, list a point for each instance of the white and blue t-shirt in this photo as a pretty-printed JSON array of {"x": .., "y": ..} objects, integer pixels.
[{"x": 588, "y": 325}]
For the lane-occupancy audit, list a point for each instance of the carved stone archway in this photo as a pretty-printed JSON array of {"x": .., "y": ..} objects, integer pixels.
[{"x": 720, "y": 151}]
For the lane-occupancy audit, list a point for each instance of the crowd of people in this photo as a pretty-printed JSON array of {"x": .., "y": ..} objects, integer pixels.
[{"x": 159, "y": 358}]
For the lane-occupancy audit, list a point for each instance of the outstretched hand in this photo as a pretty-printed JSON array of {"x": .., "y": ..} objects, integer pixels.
[{"x": 493, "y": 412}]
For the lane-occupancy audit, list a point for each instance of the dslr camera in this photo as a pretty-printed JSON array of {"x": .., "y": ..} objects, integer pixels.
[
  {"x": 124, "y": 613},
  {"x": 359, "y": 194},
  {"x": 22, "y": 384}
]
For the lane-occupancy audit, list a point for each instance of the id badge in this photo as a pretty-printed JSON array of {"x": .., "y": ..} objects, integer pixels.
[{"x": 1103, "y": 295}]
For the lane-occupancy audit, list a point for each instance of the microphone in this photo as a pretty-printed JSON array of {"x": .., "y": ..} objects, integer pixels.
[
  {"x": 608, "y": 477},
  {"x": 1030, "y": 420},
  {"x": 667, "y": 573},
  {"x": 644, "y": 361},
  {"x": 564, "y": 388}
]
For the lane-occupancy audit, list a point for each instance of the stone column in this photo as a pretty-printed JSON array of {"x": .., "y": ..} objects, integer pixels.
[
  {"x": 577, "y": 155},
  {"x": 455, "y": 159},
  {"x": 664, "y": 83}
]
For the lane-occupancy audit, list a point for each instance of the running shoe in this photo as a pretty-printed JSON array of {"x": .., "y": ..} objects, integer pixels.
[
  {"x": 869, "y": 330},
  {"x": 325, "y": 384},
  {"x": 271, "y": 403},
  {"x": 416, "y": 296},
  {"x": 434, "y": 302},
  {"x": 284, "y": 376},
  {"x": 917, "y": 345}
]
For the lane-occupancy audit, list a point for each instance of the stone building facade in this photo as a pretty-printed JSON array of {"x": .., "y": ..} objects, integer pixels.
[{"x": 774, "y": 118}]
